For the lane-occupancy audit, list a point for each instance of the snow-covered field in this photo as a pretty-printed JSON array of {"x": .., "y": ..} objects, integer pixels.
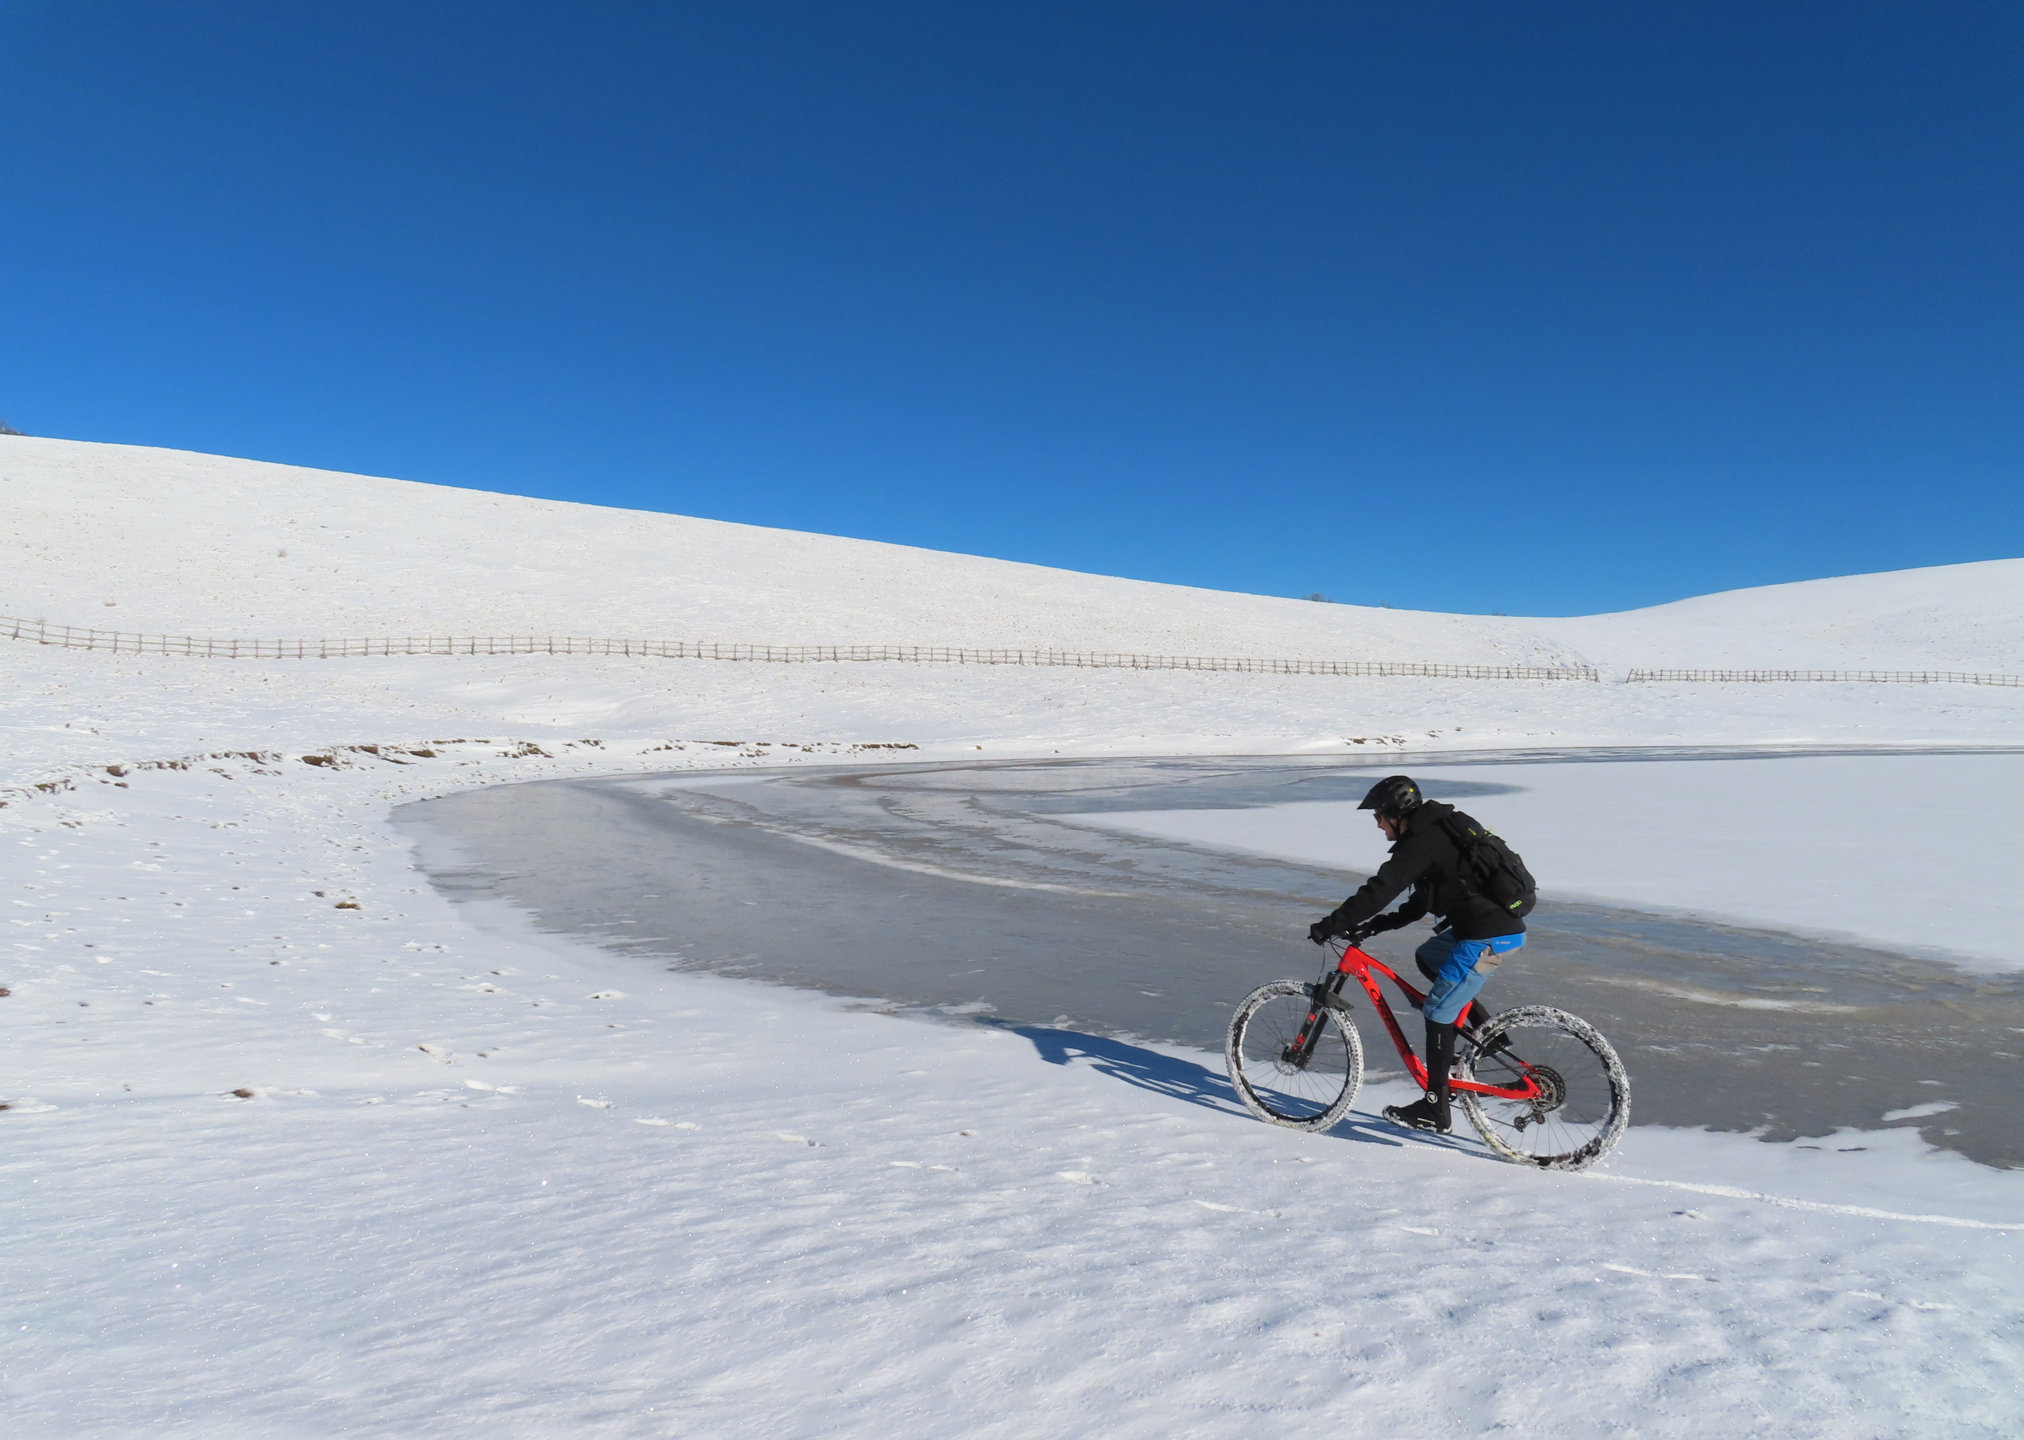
[{"x": 482, "y": 1179}]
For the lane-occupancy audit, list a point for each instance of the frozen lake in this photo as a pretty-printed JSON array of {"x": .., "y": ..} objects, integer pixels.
[{"x": 1004, "y": 891}]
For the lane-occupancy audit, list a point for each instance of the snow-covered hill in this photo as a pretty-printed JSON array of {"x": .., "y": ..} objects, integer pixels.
[
  {"x": 121, "y": 537},
  {"x": 1946, "y": 617},
  {"x": 166, "y": 542},
  {"x": 196, "y": 543}
]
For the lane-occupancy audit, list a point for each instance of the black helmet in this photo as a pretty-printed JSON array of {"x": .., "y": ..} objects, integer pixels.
[{"x": 1392, "y": 797}]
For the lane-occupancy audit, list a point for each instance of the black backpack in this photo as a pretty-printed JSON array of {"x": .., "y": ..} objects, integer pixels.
[{"x": 1490, "y": 866}]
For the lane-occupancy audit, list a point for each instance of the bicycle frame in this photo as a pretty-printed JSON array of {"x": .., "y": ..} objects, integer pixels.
[{"x": 1327, "y": 994}]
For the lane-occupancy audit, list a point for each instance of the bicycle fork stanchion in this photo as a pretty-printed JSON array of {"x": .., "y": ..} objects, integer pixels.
[{"x": 1326, "y": 995}]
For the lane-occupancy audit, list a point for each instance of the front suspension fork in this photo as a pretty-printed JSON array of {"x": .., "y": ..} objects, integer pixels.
[{"x": 1325, "y": 995}]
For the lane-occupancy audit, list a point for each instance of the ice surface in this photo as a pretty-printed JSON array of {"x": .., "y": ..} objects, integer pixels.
[{"x": 1902, "y": 851}]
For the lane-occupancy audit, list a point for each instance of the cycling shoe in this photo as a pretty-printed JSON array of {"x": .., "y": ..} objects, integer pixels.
[{"x": 1428, "y": 1115}]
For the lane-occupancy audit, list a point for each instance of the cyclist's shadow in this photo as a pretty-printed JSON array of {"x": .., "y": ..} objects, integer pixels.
[{"x": 1172, "y": 1076}]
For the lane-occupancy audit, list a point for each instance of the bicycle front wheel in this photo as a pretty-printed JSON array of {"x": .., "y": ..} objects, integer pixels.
[
  {"x": 1273, "y": 1080},
  {"x": 1583, "y": 1102}
]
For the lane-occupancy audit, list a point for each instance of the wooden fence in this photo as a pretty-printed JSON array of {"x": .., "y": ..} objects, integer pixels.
[
  {"x": 74, "y": 638},
  {"x": 1835, "y": 677}
]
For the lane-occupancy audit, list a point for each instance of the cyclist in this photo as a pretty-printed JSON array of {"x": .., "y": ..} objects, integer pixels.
[{"x": 1472, "y": 940}]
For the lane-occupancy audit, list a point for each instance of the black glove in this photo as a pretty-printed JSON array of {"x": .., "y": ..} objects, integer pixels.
[{"x": 1320, "y": 930}]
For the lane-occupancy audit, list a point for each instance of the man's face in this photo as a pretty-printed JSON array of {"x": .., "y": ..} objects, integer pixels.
[{"x": 1390, "y": 827}]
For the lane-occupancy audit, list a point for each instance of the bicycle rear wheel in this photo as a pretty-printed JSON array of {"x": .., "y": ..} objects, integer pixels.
[
  {"x": 1584, "y": 1103},
  {"x": 1275, "y": 1086}
]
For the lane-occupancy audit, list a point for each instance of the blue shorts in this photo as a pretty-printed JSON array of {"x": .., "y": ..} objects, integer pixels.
[{"x": 1458, "y": 969}]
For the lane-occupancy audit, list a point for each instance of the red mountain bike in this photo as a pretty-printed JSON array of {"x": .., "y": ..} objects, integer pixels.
[{"x": 1542, "y": 1087}]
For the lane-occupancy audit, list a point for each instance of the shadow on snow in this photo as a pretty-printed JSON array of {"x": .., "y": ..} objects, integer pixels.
[{"x": 1181, "y": 1079}]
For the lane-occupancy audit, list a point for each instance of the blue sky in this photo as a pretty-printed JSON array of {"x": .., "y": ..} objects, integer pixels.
[{"x": 1543, "y": 308}]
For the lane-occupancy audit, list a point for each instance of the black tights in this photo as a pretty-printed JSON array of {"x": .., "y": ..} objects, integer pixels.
[
  {"x": 1440, "y": 1051},
  {"x": 1440, "y": 1058}
]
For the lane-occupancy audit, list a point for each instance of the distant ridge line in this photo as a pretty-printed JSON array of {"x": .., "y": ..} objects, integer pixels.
[
  {"x": 75, "y": 638},
  {"x": 1843, "y": 677}
]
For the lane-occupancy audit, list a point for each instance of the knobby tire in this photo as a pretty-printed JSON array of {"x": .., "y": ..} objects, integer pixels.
[
  {"x": 1587, "y": 1104},
  {"x": 1314, "y": 1097}
]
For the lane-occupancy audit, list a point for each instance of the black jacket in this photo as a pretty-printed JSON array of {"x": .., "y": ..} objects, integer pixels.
[{"x": 1425, "y": 860}]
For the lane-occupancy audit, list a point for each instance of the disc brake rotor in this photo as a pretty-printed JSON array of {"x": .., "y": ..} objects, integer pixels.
[{"x": 1552, "y": 1095}]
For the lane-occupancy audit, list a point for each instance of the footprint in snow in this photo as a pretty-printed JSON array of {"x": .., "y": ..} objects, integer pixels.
[
  {"x": 436, "y": 1052},
  {"x": 1220, "y": 1209},
  {"x": 594, "y": 1104},
  {"x": 608, "y": 995},
  {"x": 792, "y": 1139},
  {"x": 648, "y": 1120},
  {"x": 1078, "y": 1177}
]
